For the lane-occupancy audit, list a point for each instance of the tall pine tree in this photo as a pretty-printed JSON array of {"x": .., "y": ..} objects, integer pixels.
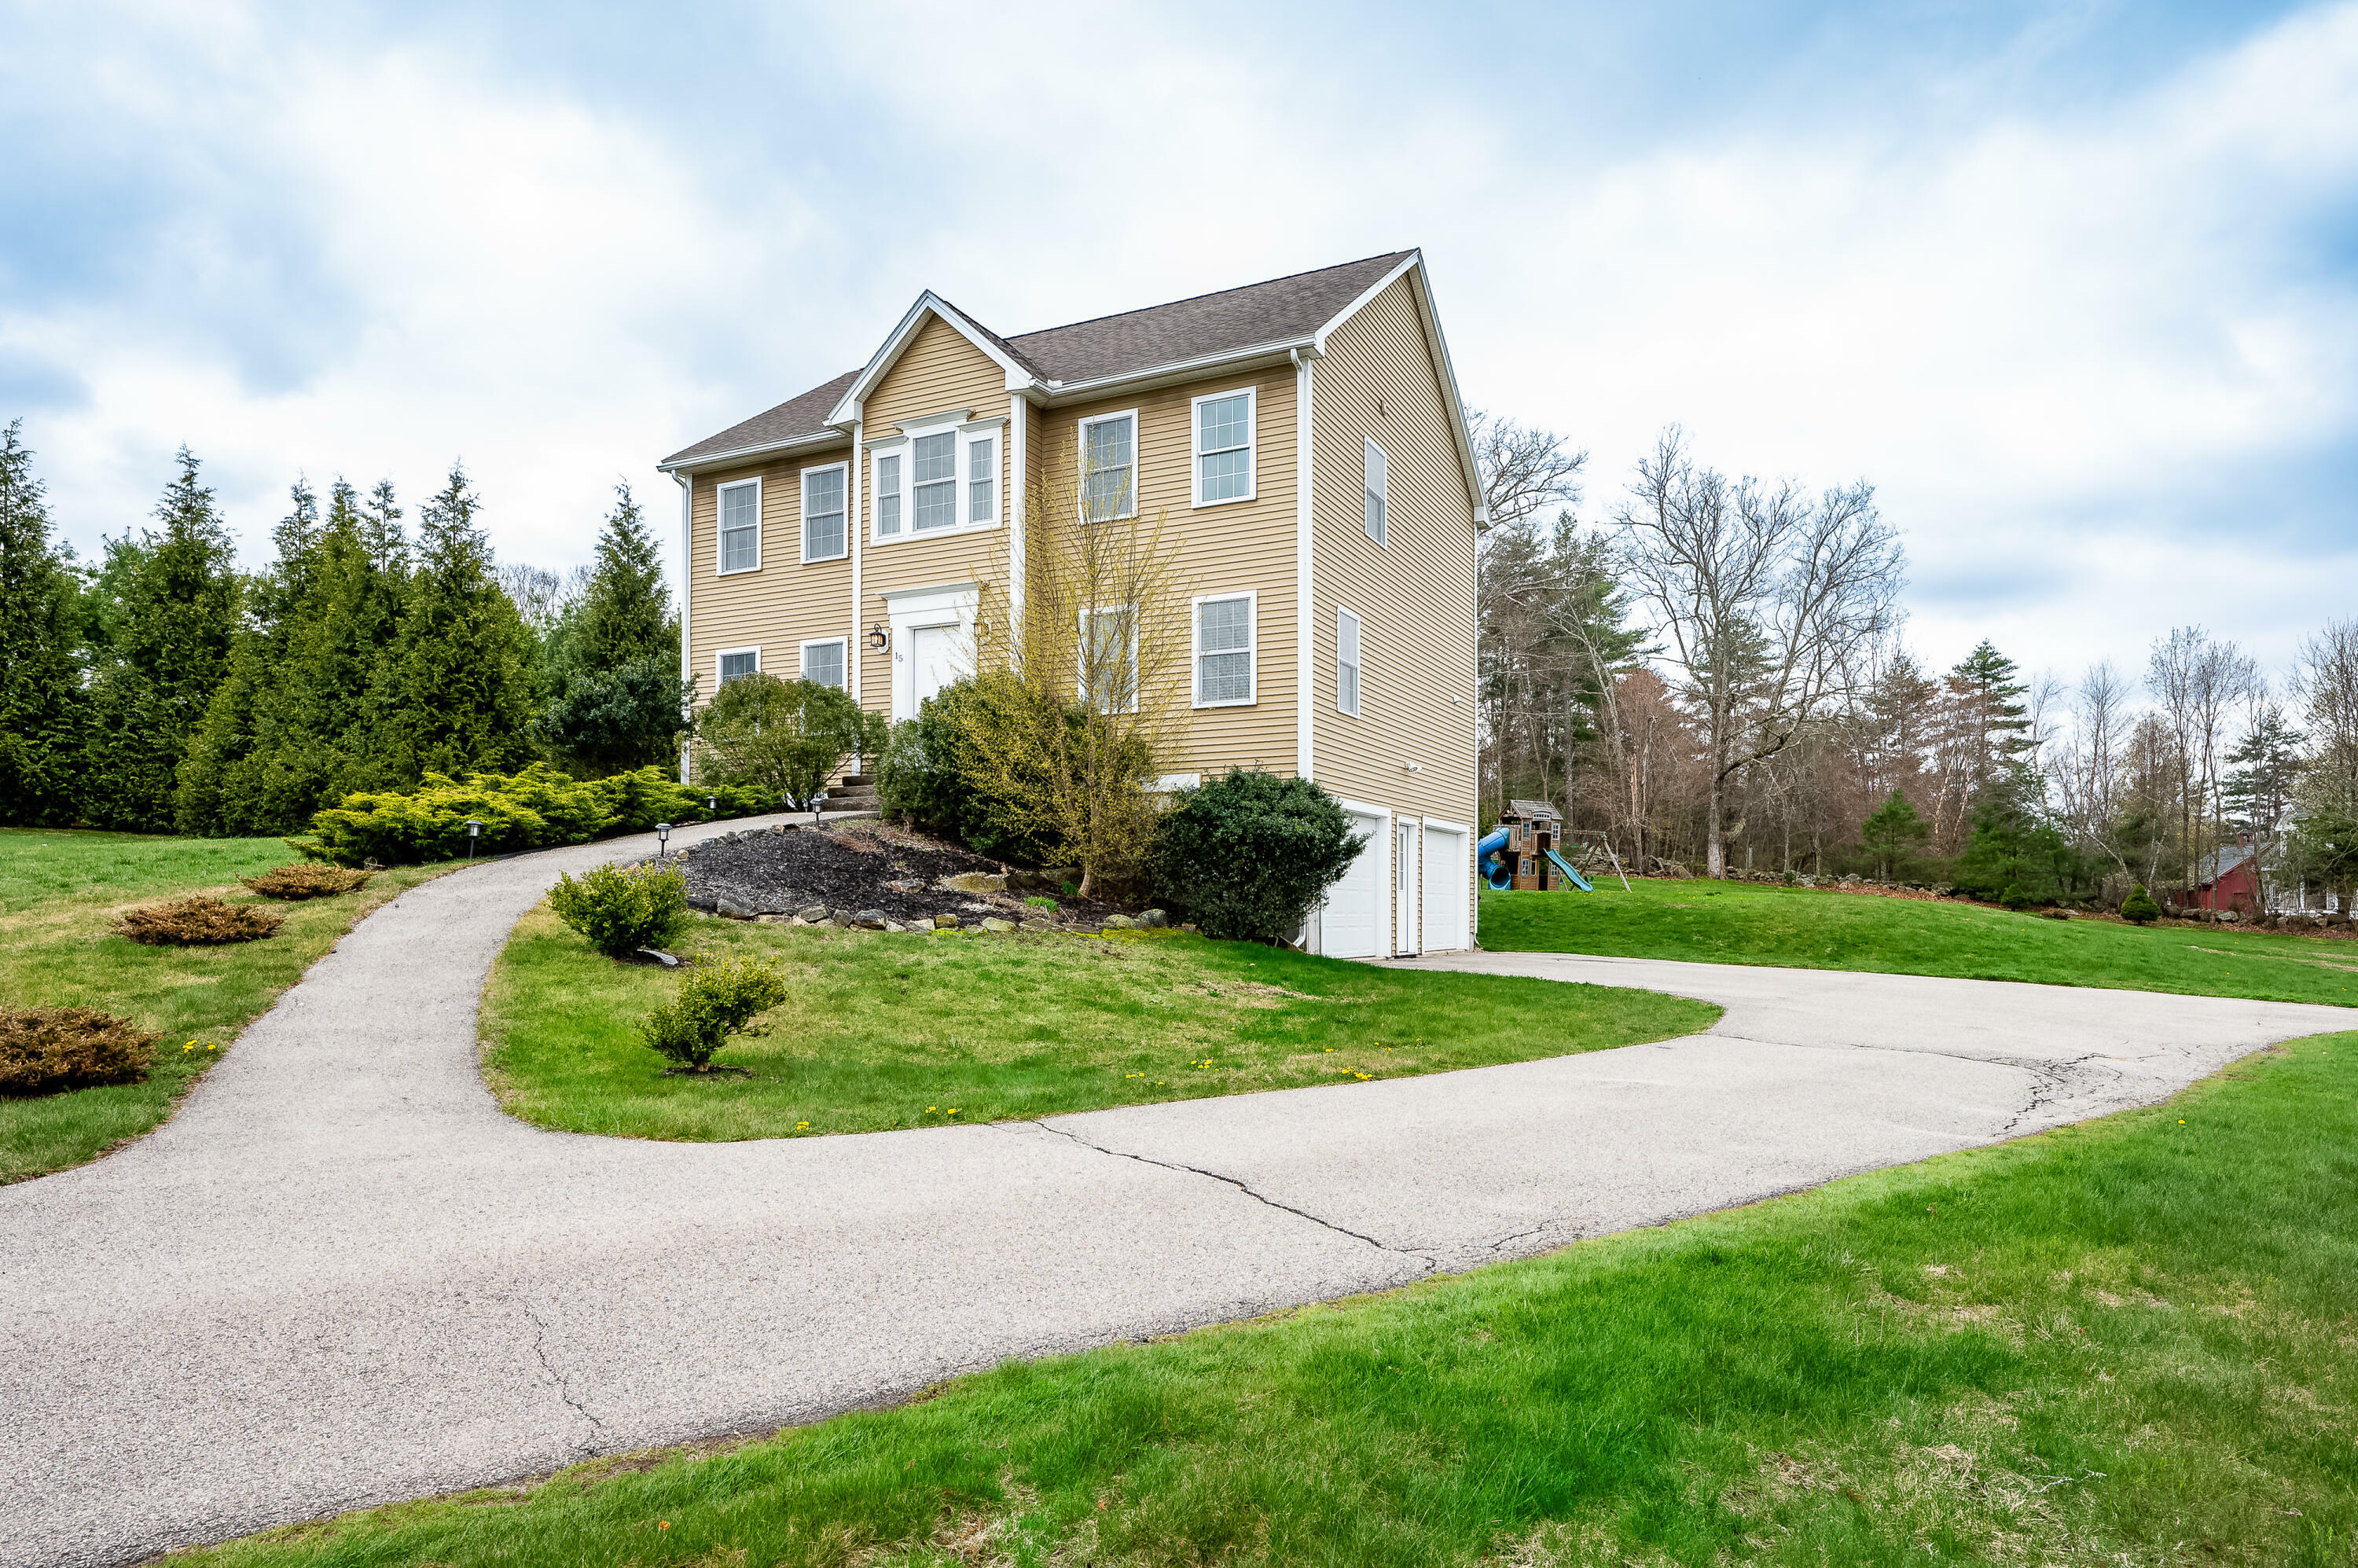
[
  {"x": 615, "y": 694},
  {"x": 40, "y": 675},
  {"x": 174, "y": 625},
  {"x": 2000, "y": 721},
  {"x": 459, "y": 684}
]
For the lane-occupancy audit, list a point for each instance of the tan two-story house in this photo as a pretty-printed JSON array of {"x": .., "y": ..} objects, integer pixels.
[{"x": 1302, "y": 441}]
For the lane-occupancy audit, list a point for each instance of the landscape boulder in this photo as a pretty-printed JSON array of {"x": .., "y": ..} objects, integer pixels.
[
  {"x": 945, "y": 923},
  {"x": 976, "y": 881},
  {"x": 1154, "y": 919},
  {"x": 1119, "y": 923},
  {"x": 815, "y": 914},
  {"x": 869, "y": 920},
  {"x": 994, "y": 923}
]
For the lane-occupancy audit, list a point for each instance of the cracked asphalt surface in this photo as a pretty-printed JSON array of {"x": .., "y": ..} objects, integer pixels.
[{"x": 340, "y": 1276}]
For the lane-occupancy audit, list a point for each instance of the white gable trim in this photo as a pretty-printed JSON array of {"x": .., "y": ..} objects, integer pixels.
[
  {"x": 928, "y": 304},
  {"x": 1421, "y": 289}
]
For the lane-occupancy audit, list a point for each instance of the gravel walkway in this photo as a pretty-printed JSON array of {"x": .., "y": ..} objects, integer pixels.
[{"x": 340, "y": 1276}]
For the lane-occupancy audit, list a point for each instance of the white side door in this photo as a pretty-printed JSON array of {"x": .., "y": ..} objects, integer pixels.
[
  {"x": 1448, "y": 866},
  {"x": 1353, "y": 923},
  {"x": 1407, "y": 857}
]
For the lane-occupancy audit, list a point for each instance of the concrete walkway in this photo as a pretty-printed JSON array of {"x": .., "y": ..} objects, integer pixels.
[{"x": 340, "y": 1276}]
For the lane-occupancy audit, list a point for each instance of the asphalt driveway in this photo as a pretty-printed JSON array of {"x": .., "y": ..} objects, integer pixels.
[{"x": 340, "y": 1276}]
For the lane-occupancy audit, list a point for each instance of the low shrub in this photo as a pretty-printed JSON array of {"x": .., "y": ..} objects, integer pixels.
[
  {"x": 1246, "y": 856},
  {"x": 47, "y": 1050},
  {"x": 536, "y": 809},
  {"x": 197, "y": 922},
  {"x": 715, "y": 1000},
  {"x": 2138, "y": 908},
  {"x": 2015, "y": 899},
  {"x": 306, "y": 878},
  {"x": 622, "y": 911},
  {"x": 783, "y": 738}
]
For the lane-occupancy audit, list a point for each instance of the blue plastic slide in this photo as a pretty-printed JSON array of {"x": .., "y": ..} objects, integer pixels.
[
  {"x": 1577, "y": 879},
  {"x": 1494, "y": 868}
]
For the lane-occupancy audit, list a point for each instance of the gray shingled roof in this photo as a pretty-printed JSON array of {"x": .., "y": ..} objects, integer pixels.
[{"x": 1135, "y": 341}]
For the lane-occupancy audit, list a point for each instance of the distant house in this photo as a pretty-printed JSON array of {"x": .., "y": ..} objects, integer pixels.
[
  {"x": 1303, "y": 439},
  {"x": 2229, "y": 879}
]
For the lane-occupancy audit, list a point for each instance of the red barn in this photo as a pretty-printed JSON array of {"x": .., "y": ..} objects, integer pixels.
[{"x": 2229, "y": 880}]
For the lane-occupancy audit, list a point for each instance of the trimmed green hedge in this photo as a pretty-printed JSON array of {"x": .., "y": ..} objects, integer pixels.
[{"x": 536, "y": 809}]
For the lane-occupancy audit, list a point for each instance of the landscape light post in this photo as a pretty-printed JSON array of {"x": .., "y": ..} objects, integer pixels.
[
  {"x": 662, "y": 840},
  {"x": 475, "y": 827}
]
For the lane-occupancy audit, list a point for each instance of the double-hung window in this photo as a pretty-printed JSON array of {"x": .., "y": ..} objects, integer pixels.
[
  {"x": 1224, "y": 448},
  {"x": 736, "y": 663},
  {"x": 824, "y": 536},
  {"x": 1224, "y": 651},
  {"x": 982, "y": 478},
  {"x": 741, "y": 526},
  {"x": 1347, "y": 663},
  {"x": 1109, "y": 673},
  {"x": 823, "y": 663},
  {"x": 1110, "y": 467},
  {"x": 888, "y": 495},
  {"x": 932, "y": 481},
  {"x": 1375, "y": 490}
]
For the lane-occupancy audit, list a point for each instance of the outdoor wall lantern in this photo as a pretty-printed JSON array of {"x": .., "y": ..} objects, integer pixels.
[
  {"x": 475, "y": 831},
  {"x": 663, "y": 840},
  {"x": 879, "y": 637}
]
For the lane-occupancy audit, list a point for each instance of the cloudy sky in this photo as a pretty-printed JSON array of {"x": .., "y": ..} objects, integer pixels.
[{"x": 2074, "y": 285}]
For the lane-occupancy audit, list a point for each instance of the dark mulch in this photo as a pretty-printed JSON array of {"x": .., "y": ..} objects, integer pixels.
[{"x": 859, "y": 866}]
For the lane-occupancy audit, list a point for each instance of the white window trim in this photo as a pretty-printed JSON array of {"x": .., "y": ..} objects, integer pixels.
[
  {"x": 719, "y": 545},
  {"x": 1081, "y": 459},
  {"x": 720, "y": 654},
  {"x": 893, "y": 446},
  {"x": 1383, "y": 496},
  {"x": 1195, "y": 446},
  {"x": 1081, "y": 687},
  {"x": 968, "y": 431},
  {"x": 1358, "y": 665},
  {"x": 1252, "y": 647},
  {"x": 842, "y": 465},
  {"x": 842, "y": 642}
]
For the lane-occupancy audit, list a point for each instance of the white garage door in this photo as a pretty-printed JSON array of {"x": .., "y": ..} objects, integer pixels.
[
  {"x": 1448, "y": 866},
  {"x": 1357, "y": 912}
]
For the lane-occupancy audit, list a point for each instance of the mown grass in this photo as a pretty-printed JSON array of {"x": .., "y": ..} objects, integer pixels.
[
  {"x": 59, "y": 892},
  {"x": 2131, "y": 1341},
  {"x": 1748, "y": 923},
  {"x": 886, "y": 1029}
]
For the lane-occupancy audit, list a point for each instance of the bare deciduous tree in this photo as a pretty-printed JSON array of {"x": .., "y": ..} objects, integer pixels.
[
  {"x": 1524, "y": 470},
  {"x": 1765, "y": 597}
]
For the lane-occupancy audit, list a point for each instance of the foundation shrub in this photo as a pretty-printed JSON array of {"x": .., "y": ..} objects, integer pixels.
[
  {"x": 621, "y": 911},
  {"x": 196, "y": 922},
  {"x": 922, "y": 777},
  {"x": 306, "y": 878},
  {"x": 1247, "y": 855},
  {"x": 716, "y": 1000},
  {"x": 47, "y": 1050}
]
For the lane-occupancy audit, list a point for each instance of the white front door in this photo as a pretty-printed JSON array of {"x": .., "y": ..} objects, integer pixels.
[
  {"x": 1352, "y": 926},
  {"x": 934, "y": 662},
  {"x": 1405, "y": 860}
]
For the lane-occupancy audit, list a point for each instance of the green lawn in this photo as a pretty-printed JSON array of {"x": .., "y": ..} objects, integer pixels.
[
  {"x": 2133, "y": 1341},
  {"x": 59, "y": 894},
  {"x": 1748, "y": 923},
  {"x": 885, "y": 1030}
]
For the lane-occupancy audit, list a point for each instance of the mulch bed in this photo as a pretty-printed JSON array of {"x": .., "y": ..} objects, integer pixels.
[{"x": 857, "y": 867}]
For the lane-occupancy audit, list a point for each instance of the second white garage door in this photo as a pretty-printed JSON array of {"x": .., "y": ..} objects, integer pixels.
[
  {"x": 1448, "y": 869},
  {"x": 1358, "y": 910}
]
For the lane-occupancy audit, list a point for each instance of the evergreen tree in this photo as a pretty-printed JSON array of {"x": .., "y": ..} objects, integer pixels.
[
  {"x": 40, "y": 675},
  {"x": 1893, "y": 834},
  {"x": 2002, "y": 722},
  {"x": 616, "y": 698},
  {"x": 459, "y": 681},
  {"x": 175, "y": 623},
  {"x": 2014, "y": 846},
  {"x": 2262, "y": 770}
]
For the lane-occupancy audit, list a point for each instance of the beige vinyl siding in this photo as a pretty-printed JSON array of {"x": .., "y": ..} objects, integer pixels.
[
  {"x": 1415, "y": 595},
  {"x": 1232, "y": 547},
  {"x": 938, "y": 371},
  {"x": 778, "y": 607}
]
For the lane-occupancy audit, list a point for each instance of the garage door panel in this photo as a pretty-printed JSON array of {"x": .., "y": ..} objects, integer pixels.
[
  {"x": 1354, "y": 925},
  {"x": 1448, "y": 867}
]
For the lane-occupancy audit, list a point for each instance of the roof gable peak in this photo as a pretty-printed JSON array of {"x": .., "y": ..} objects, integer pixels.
[{"x": 930, "y": 306}]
